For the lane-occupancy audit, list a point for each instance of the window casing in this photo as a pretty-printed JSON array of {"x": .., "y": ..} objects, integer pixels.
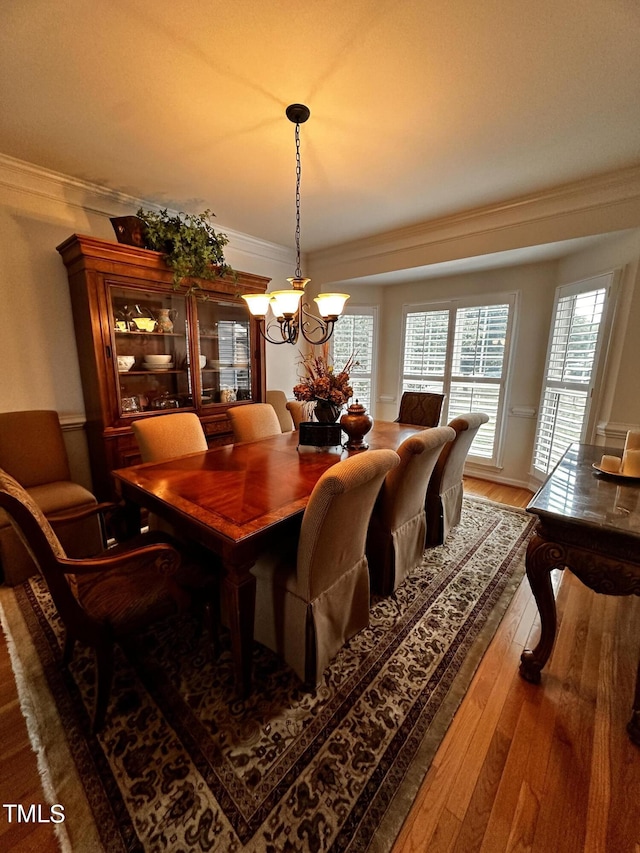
[
  {"x": 356, "y": 332},
  {"x": 461, "y": 349}
]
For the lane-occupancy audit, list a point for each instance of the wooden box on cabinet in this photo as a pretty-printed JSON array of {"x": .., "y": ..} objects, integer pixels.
[{"x": 146, "y": 349}]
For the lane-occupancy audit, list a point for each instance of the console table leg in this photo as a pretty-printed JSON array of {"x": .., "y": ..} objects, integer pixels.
[
  {"x": 542, "y": 557},
  {"x": 633, "y": 726}
]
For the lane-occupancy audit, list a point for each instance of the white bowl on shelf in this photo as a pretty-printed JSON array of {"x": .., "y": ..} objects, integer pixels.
[
  {"x": 158, "y": 359},
  {"x": 126, "y": 362}
]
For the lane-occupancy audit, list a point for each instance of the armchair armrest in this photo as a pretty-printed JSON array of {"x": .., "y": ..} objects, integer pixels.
[
  {"x": 71, "y": 515},
  {"x": 165, "y": 557}
]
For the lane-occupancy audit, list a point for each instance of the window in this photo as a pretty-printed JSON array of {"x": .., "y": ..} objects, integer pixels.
[
  {"x": 355, "y": 333},
  {"x": 461, "y": 350},
  {"x": 572, "y": 360}
]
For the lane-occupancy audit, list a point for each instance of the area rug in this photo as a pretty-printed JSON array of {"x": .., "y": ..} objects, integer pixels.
[{"x": 181, "y": 765}]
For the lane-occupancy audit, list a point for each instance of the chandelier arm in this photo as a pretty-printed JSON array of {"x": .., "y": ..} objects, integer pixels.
[
  {"x": 288, "y": 332},
  {"x": 310, "y": 326}
]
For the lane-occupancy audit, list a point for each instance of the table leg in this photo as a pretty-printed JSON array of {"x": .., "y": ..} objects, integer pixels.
[
  {"x": 239, "y": 588},
  {"x": 542, "y": 557},
  {"x": 633, "y": 726}
]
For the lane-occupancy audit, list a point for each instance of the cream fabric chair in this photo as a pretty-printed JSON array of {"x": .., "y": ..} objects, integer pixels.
[
  {"x": 32, "y": 451},
  {"x": 278, "y": 399},
  {"x": 167, "y": 436},
  {"x": 297, "y": 411},
  {"x": 421, "y": 408},
  {"x": 395, "y": 541},
  {"x": 444, "y": 495},
  {"x": 301, "y": 410},
  {"x": 314, "y": 597},
  {"x": 253, "y": 422}
]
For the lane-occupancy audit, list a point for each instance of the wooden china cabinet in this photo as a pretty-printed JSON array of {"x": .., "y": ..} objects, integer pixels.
[{"x": 146, "y": 349}]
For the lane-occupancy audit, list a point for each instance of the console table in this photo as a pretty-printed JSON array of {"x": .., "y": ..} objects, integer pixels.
[{"x": 588, "y": 522}]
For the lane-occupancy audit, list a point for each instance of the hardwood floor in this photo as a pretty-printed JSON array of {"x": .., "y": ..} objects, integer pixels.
[{"x": 544, "y": 768}]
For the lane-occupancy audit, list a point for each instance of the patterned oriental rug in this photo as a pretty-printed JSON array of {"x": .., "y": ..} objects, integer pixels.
[{"x": 183, "y": 766}]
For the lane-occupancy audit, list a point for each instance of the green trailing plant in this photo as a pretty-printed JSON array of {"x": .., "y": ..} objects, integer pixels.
[{"x": 191, "y": 247}]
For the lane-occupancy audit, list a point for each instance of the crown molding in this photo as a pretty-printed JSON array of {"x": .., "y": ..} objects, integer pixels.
[
  {"x": 599, "y": 204},
  {"x": 36, "y": 181}
]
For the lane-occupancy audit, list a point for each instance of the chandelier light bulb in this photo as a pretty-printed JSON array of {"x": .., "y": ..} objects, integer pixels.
[{"x": 331, "y": 304}]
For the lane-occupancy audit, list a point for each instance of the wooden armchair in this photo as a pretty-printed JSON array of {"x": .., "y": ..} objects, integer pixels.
[
  {"x": 421, "y": 408},
  {"x": 314, "y": 598},
  {"x": 444, "y": 495},
  {"x": 254, "y": 422},
  {"x": 32, "y": 450},
  {"x": 104, "y": 598},
  {"x": 395, "y": 541}
]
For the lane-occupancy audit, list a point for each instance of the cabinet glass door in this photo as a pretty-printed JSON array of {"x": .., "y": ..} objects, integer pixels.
[
  {"x": 224, "y": 346},
  {"x": 151, "y": 354}
]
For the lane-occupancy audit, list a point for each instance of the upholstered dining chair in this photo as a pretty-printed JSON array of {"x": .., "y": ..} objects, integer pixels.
[
  {"x": 297, "y": 411},
  {"x": 314, "y": 597},
  {"x": 32, "y": 450},
  {"x": 278, "y": 399},
  {"x": 444, "y": 495},
  {"x": 105, "y": 598},
  {"x": 167, "y": 436},
  {"x": 396, "y": 535},
  {"x": 421, "y": 408},
  {"x": 253, "y": 422}
]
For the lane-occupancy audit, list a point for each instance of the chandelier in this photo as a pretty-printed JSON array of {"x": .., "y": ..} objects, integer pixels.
[{"x": 290, "y": 314}]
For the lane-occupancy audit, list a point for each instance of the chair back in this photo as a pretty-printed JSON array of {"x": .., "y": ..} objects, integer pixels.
[
  {"x": 278, "y": 399},
  {"x": 335, "y": 522},
  {"x": 167, "y": 436},
  {"x": 444, "y": 495},
  {"x": 254, "y": 422},
  {"x": 32, "y": 447},
  {"x": 396, "y": 534},
  {"x": 404, "y": 489},
  {"x": 297, "y": 411},
  {"x": 420, "y": 408},
  {"x": 43, "y": 545}
]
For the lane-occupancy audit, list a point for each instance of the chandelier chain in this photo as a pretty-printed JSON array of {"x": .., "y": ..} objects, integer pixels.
[{"x": 298, "y": 175}]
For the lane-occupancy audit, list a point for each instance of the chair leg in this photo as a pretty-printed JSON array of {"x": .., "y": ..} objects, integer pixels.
[{"x": 104, "y": 676}]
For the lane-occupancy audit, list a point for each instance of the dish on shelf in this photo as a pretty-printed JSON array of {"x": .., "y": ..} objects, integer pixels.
[
  {"x": 616, "y": 474},
  {"x": 166, "y": 366}
]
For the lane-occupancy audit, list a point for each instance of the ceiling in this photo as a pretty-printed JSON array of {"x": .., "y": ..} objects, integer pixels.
[{"x": 419, "y": 108}]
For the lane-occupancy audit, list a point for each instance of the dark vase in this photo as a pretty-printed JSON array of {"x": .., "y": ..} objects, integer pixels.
[
  {"x": 326, "y": 412},
  {"x": 130, "y": 230},
  {"x": 356, "y": 423}
]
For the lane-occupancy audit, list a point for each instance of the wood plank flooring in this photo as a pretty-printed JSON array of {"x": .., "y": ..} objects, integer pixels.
[{"x": 544, "y": 768}]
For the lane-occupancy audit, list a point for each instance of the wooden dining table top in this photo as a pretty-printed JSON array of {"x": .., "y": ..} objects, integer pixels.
[
  {"x": 236, "y": 501},
  {"x": 238, "y": 490}
]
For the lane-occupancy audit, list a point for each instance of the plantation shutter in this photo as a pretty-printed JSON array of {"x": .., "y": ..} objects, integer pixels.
[
  {"x": 425, "y": 351},
  {"x": 460, "y": 350},
  {"x": 574, "y": 344},
  {"x": 477, "y": 369},
  {"x": 355, "y": 333}
]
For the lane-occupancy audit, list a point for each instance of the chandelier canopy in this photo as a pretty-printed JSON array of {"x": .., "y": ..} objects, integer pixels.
[{"x": 291, "y": 316}]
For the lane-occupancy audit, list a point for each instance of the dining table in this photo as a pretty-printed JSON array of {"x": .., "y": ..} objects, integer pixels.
[{"x": 238, "y": 500}]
